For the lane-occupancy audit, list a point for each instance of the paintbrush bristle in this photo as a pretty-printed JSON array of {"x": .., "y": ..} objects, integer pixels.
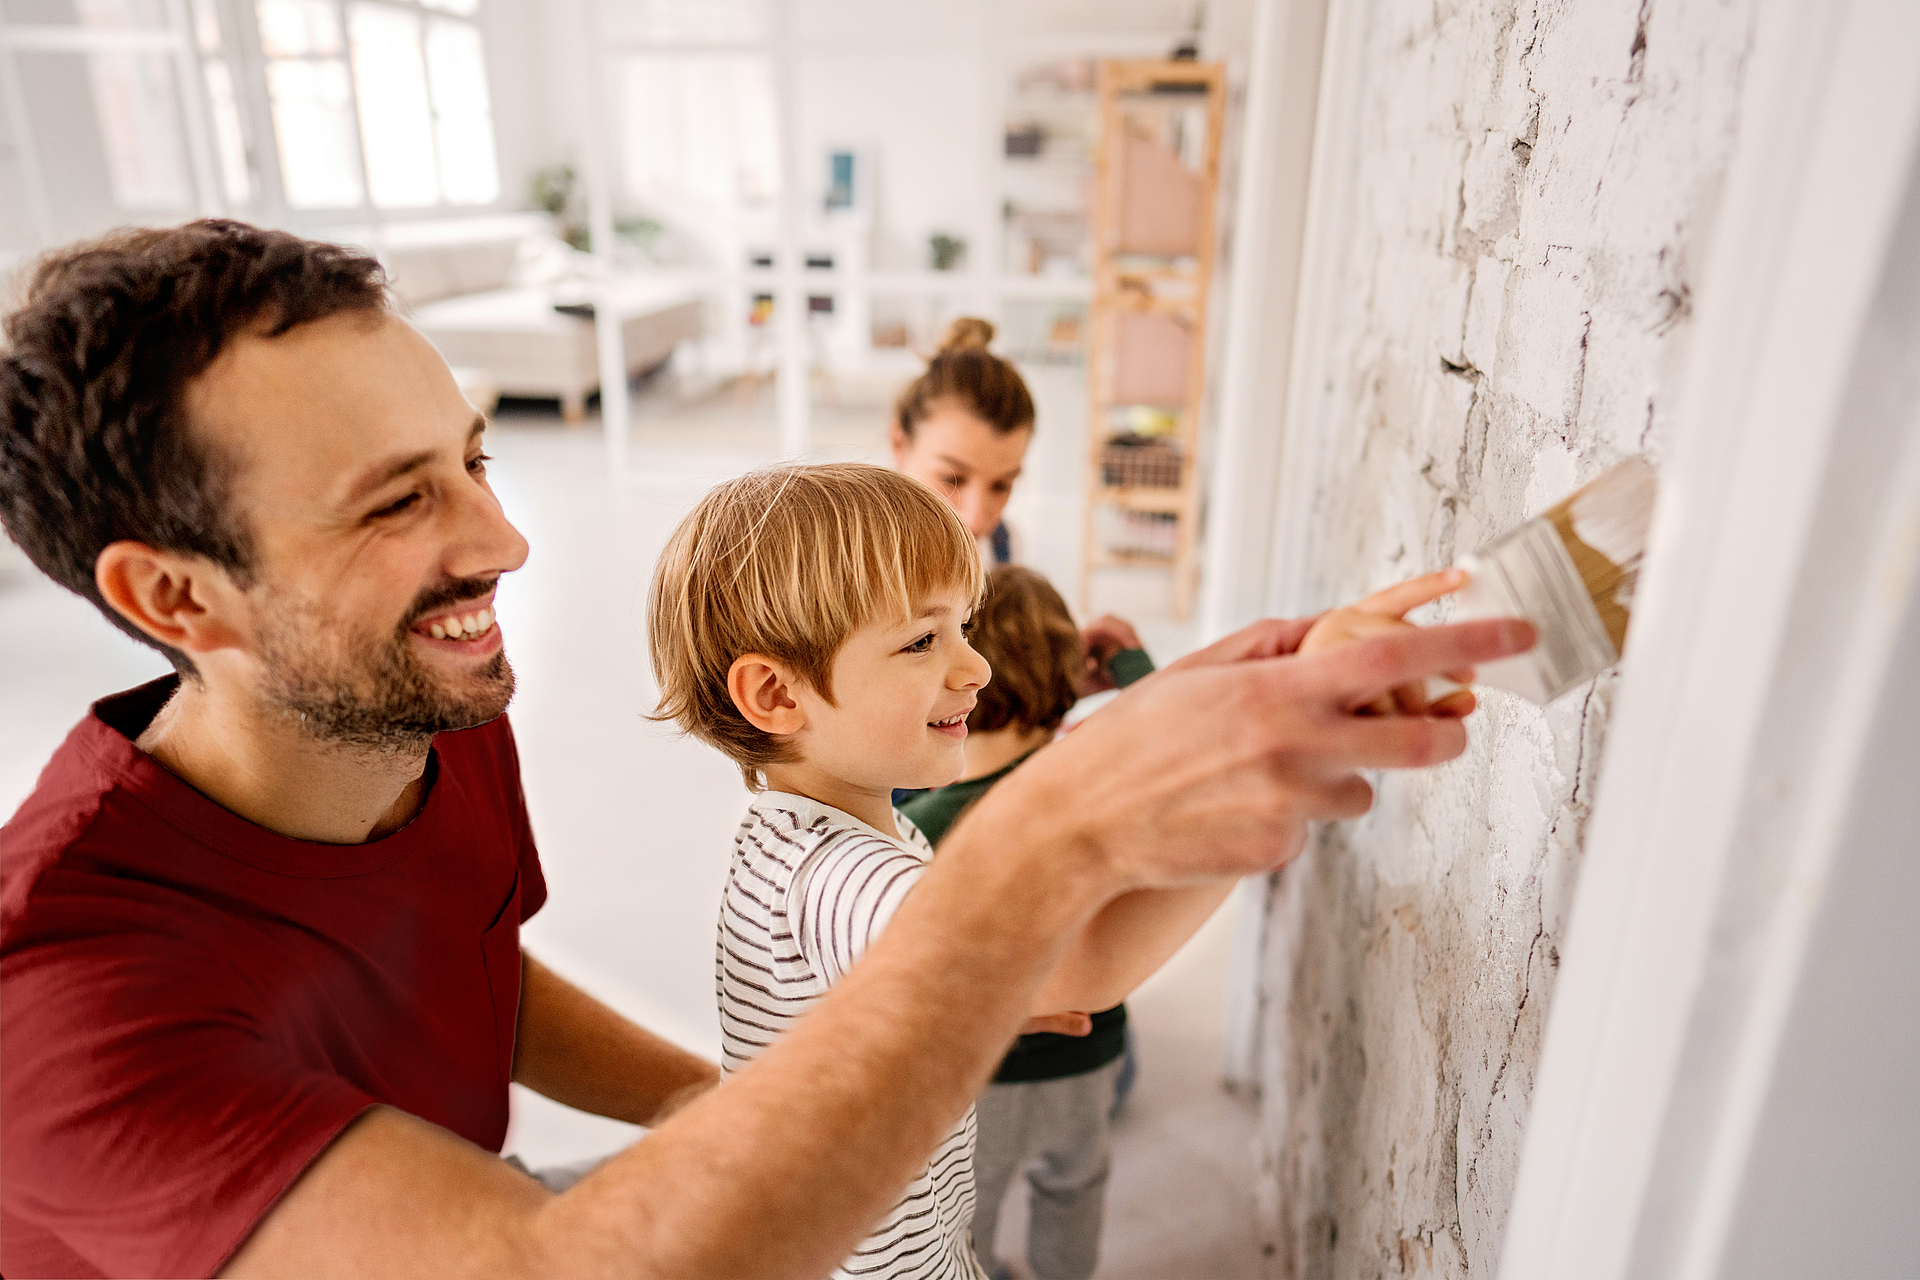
[{"x": 1604, "y": 529}]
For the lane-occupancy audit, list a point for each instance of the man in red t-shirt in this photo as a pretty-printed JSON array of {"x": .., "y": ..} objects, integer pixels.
[{"x": 261, "y": 988}]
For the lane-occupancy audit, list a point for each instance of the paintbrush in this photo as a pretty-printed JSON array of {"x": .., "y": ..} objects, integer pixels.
[{"x": 1570, "y": 571}]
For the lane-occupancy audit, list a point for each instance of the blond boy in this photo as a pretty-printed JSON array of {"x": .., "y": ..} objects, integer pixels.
[{"x": 810, "y": 622}]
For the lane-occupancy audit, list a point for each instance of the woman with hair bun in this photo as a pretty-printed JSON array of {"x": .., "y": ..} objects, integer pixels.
[{"x": 962, "y": 428}]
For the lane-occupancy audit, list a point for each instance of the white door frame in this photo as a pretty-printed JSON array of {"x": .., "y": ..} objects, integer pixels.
[
  {"x": 1783, "y": 559},
  {"x": 1271, "y": 227}
]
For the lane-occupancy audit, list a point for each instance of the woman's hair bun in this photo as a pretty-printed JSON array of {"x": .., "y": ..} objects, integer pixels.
[{"x": 968, "y": 333}]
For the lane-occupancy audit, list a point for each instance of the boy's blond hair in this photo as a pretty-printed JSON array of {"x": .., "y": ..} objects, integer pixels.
[{"x": 789, "y": 562}]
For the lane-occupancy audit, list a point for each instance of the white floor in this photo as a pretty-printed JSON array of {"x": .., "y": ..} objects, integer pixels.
[{"x": 635, "y": 823}]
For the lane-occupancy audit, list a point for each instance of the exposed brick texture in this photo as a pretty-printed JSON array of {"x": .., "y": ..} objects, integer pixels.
[{"x": 1536, "y": 183}]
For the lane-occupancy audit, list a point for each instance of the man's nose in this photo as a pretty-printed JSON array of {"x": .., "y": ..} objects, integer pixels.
[{"x": 487, "y": 541}]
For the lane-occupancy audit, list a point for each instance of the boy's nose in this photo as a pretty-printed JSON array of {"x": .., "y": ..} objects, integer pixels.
[{"x": 971, "y": 672}]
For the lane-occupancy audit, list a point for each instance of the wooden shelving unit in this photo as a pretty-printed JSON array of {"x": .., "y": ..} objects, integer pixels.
[{"x": 1156, "y": 179}]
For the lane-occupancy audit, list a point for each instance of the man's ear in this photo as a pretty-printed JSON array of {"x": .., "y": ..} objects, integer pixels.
[
  {"x": 900, "y": 442},
  {"x": 177, "y": 599},
  {"x": 763, "y": 690}
]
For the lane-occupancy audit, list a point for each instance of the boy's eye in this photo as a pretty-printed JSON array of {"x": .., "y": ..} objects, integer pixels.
[
  {"x": 922, "y": 645},
  {"x": 966, "y": 628},
  {"x": 478, "y": 463}
]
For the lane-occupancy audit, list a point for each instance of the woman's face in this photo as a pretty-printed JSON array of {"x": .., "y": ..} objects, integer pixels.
[{"x": 962, "y": 458}]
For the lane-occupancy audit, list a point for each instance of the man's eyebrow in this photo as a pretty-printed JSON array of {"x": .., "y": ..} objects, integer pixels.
[
  {"x": 953, "y": 462},
  {"x": 384, "y": 473}
]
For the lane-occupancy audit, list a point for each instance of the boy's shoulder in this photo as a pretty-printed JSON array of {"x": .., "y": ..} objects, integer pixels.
[{"x": 803, "y": 823}]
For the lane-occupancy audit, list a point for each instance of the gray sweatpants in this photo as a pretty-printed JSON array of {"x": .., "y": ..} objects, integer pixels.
[{"x": 1057, "y": 1131}]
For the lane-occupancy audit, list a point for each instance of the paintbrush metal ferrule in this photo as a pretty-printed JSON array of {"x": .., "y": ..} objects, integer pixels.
[{"x": 1571, "y": 572}]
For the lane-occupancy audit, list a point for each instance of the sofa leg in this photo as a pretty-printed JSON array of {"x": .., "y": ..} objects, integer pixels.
[{"x": 573, "y": 407}]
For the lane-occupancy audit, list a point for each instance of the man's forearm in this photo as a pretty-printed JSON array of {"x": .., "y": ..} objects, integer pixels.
[
  {"x": 783, "y": 1171},
  {"x": 1206, "y": 772},
  {"x": 577, "y": 1051},
  {"x": 1126, "y": 943}
]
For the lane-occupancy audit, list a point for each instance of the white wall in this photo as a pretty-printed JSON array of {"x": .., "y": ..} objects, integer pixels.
[
  {"x": 1510, "y": 205},
  {"x": 919, "y": 112}
]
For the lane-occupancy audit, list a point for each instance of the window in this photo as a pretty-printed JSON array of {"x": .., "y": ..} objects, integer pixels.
[
  {"x": 698, "y": 130},
  {"x": 380, "y": 103},
  {"x": 133, "y": 94},
  {"x": 223, "y": 105}
]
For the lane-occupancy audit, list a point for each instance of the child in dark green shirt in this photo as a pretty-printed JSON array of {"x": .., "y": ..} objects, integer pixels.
[{"x": 1051, "y": 1101}]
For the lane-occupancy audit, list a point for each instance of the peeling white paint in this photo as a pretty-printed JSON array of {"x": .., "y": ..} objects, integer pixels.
[{"x": 1533, "y": 183}]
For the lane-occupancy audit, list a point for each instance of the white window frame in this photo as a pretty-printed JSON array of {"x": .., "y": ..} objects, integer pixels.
[
  {"x": 174, "y": 39},
  {"x": 241, "y": 37}
]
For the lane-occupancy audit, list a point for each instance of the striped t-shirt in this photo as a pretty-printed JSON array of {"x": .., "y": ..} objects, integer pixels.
[{"x": 810, "y": 888}]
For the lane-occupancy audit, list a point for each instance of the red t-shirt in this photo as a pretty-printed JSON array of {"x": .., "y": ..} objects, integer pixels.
[{"x": 192, "y": 1007}]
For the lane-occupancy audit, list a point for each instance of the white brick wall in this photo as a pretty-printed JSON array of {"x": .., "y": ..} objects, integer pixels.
[{"x": 1534, "y": 183}]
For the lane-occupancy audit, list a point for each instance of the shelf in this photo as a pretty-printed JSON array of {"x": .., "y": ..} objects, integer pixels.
[
  {"x": 1143, "y": 501},
  {"x": 1117, "y": 268},
  {"x": 1078, "y": 163},
  {"x": 1127, "y": 300},
  {"x": 1051, "y": 99},
  {"x": 1158, "y": 500},
  {"x": 1112, "y": 559}
]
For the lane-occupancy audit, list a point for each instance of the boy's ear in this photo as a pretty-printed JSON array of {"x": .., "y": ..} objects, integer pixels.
[
  {"x": 762, "y": 688},
  {"x": 176, "y": 599}
]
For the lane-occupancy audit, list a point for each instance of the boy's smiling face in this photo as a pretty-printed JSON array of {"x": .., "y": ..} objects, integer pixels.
[{"x": 903, "y": 690}]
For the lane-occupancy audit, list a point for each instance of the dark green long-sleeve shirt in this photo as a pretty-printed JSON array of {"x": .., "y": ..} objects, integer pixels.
[{"x": 1042, "y": 1055}]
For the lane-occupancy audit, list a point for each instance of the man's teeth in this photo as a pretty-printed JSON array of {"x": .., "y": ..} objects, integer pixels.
[
  {"x": 950, "y": 720},
  {"x": 454, "y": 628}
]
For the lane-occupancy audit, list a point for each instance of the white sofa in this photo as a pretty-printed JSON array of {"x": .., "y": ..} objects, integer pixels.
[{"x": 484, "y": 292}]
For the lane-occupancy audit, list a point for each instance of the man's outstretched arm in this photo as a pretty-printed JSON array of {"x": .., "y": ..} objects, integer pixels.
[
  {"x": 575, "y": 1050},
  {"x": 1209, "y": 771}
]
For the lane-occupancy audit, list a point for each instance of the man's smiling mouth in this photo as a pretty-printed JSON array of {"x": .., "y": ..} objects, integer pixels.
[
  {"x": 456, "y": 628},
  {"x": 469, "y": 625}
]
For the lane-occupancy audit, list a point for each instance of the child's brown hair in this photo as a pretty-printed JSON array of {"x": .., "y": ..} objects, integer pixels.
[
  {"x": 788, "y": 562},
  {"x": 965, "y": 372},
  {"x": 1023, "y": 630}
]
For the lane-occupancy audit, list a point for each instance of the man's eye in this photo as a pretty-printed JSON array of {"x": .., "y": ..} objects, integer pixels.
[
  {"x": 395, "y": 508},
  {"x": 953, "y": 482},
  {"x": 922, "y": 645}
]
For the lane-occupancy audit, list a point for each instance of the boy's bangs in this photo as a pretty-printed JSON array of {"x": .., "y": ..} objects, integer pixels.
[
  {"x": 915, "y": 555},
  {"x": 829, "y": 548}
]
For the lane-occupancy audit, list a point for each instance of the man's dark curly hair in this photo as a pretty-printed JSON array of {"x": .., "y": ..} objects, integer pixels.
[{"x": 95, "y": 447}]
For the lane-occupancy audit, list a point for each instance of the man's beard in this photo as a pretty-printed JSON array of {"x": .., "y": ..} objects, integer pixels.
[{"x": 372, "y": 692}]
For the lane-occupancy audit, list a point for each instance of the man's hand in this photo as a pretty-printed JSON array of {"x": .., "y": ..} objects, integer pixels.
[
  {"x": 1215, "y": 766},
  {"x": 1268, "y": 638},
  {"x": 1385, "y": 612},
  {"x": 1102, "y": 639}
]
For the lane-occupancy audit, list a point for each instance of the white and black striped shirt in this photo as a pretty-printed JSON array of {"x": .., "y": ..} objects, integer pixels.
[{"x": 810, "y": 888}]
